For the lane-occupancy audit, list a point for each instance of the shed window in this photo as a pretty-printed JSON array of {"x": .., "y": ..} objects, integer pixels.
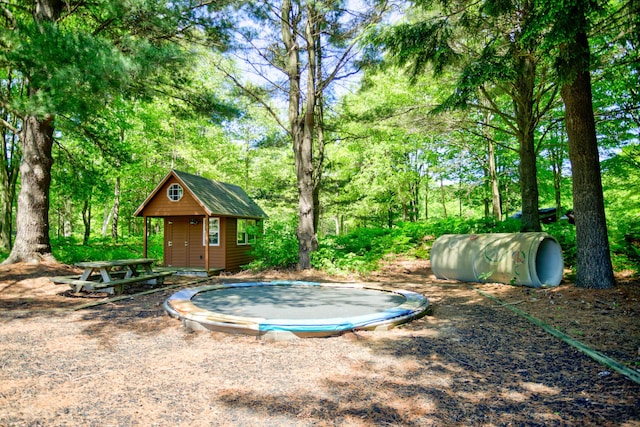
[
  {"x": 174, "y": 193},
  {"x": 246, "y": 231},
  {"x": 214, "y": 231}
]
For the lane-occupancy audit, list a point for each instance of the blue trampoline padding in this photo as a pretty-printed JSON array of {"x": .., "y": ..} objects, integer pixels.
[
  {"x": 413, "y": 306},
  {"x": 336, "y": 324}
]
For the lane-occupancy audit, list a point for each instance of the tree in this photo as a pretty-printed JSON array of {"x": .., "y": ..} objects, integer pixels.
[
  {"x": 594, "y": 268},
  {"x": 490, "y": 42},
  {"x": 9, "y": 161},
  {"x": 298, "y": 48},
  {"x": 73, "y": 57},
  {"x": 391, "y": 144}
]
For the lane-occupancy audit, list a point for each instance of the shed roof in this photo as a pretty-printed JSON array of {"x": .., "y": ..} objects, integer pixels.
[{"x": 216, "y": 198}]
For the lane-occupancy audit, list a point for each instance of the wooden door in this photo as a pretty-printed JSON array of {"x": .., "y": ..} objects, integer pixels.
[
  {"x": 176, "y": 242},
  {"x": 195, "y": 253},
  {"x": 183, "y": 243}
]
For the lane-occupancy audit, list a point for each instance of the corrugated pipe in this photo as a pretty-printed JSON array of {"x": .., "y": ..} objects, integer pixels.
[{"x": 529, "y": 259}]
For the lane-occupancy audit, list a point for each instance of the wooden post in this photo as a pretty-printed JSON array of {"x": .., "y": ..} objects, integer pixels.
[
  {"x": 144, "y": 244},
  {"x": 206, "y": 243}
]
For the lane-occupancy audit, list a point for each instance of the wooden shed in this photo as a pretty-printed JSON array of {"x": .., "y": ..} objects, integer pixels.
[{"x": 206, "y": 223}]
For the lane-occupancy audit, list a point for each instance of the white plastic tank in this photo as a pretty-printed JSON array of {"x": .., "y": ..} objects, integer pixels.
[{"x": 528, "y": 259}]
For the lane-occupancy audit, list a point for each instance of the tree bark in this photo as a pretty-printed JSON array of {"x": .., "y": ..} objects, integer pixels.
[
  {"x": 36, "y": 137},
  {"x": 443, "y": 197},
  {"x": 556, "y": 165},
  {"x": 594, "y": 268},
  {"x": 525, "y": 117},
  {"x": 8, "y": 179},
  {"x": 10, "y": 162},
  {"x": 493, "y": 179},
  {"x": 32, "y": 222},
  {"x": 116, "y": 210},
  {"x": 301, "y": 128},
  {"x": 426, "y": 196},
  {"x": 86, "y": 220},
  {"x": 313, "y": 36}
]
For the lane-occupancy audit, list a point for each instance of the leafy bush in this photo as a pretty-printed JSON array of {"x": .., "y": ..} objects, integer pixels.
[
  {"x": 565, "y": 234},
  {"x": 276, "y": 246},
  {"x": 625, "y": 243}
]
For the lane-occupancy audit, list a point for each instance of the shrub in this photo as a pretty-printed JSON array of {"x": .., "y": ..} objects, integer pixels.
[
  {"x": 276, "y": 246},
  {"x": 565, "y": 234}
]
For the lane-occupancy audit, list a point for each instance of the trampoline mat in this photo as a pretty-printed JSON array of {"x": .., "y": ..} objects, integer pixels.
[{"x": 296, "y": 301}]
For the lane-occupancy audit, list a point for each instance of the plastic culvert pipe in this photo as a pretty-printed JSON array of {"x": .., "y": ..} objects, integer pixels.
[{"x": 528, "y": 259}]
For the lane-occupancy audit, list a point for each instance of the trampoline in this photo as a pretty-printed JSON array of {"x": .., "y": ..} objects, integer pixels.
[{"x": 289, "y": 309}]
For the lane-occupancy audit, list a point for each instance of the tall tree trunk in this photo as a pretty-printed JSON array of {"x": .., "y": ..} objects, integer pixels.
[
  {"x": 594, "y": 268},
  {"x": 556, "y": 165},
  {"x": 301, "y": 128},
  {"x": 86, "y": 220},
  {"x": 414, "y": 203},
  {"x": 8, "y": 180},
  {"x": 36, "y": 137},
  {"x": 426, "y": 195},
  {"x": 32, "y": 222},
  {"x": 529, "y": 184},
  {"x": 116, "y": 210},
  {"x": 492, "y": 169},
  {"x": 523, "y": 105},
  {"x": 493, "y": 179},
  {"x": 9, "y": 170},
  {"x": 313, "y": 36},
  {"x": 443, "y": 196},
  {"x": 7, "y": 194}
]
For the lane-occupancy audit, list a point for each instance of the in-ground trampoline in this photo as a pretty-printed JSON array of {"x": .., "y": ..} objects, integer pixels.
[{"x": 288, "y": 309}]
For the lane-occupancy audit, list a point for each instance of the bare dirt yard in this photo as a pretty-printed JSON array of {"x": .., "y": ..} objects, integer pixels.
[{"x": 470, "y": 361}]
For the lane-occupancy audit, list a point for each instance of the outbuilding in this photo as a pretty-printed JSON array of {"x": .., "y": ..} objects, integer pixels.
[{"x": 207, "y": 224}]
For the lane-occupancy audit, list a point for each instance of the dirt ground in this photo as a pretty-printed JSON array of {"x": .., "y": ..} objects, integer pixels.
[{"x": 470, "y": 361}]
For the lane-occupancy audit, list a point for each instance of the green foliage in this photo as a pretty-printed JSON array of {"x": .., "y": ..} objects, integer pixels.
[
  {"x": 625, "y": 243},
  {"x": 358, "y": 251},
  {"x": 72, "y": 70},
  {"x": 362, "y": 250},
  {"x": 565, "y": 234},
  {"x": 276, "y": 247},
  {"x": 69, "y": 250}
]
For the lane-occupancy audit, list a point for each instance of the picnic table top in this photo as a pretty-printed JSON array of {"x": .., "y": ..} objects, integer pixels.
[{"x": 115, "y": 263}]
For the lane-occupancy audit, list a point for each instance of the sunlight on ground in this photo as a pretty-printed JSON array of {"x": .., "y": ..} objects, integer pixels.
[{"x": 540, "y": 388}]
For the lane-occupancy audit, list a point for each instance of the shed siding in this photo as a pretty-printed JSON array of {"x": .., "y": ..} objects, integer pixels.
[
  {"x": 217, "y": 256},
  {"x": 237, "y": 255},
  {"x": 160, "y": 205}
]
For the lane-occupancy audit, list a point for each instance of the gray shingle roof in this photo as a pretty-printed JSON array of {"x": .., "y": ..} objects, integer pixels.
[{"x": 220, "y": 198}]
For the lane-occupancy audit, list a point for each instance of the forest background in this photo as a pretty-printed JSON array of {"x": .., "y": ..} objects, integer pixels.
[{"x": 401, "y": 141}]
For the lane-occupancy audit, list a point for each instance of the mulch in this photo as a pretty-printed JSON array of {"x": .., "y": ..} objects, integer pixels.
[{"x": 470, "y": 361}]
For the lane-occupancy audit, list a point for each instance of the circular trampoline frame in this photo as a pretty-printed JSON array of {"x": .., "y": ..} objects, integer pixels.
[{"x": 193, "y": 317}]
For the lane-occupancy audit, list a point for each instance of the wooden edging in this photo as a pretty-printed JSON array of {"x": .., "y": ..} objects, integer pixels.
[{"x": 594, "y": 354}]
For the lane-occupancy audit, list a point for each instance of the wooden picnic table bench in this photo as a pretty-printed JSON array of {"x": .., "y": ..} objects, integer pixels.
[{"x": 110, "y": 276}]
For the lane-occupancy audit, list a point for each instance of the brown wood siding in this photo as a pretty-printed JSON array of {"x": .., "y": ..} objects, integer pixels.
[
  {"x": 160, "y": 205},
  {"x": 237, "y": 255},
  {"x": 217, "y": 254}
]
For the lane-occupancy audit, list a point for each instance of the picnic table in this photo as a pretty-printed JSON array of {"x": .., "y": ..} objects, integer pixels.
[{"x": 110, "y": 276}]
